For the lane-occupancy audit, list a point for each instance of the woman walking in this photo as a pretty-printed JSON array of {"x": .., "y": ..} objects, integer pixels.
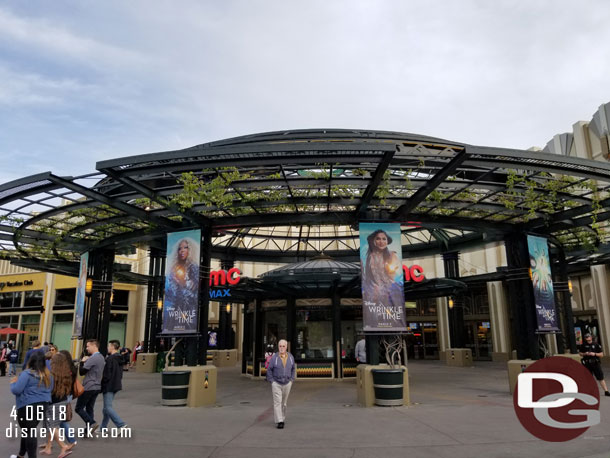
[
  {"x": 32, "y": 388},
  {"x": 65, "y": 424},
  {"x": 56, "y": 413}
]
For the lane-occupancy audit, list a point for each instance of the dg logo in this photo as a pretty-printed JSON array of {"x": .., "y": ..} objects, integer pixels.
[{"x": 556, "y": 399}]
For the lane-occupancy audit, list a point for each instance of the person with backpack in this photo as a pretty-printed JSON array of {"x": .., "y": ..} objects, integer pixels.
[
  {"x": 13, "y": 358},
  {"x": 281, "y": 373}
]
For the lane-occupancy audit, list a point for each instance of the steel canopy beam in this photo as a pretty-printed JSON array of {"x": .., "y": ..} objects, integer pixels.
[
  {"x": 152, "y": 195},
  {"x": 374, "y": 183},
  {"x": 431, "y": 185},
  {"x": 124, "y": 207}
]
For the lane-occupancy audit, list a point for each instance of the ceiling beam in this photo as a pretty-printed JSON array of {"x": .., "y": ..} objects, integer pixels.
[{"x": 423, "y": 192}]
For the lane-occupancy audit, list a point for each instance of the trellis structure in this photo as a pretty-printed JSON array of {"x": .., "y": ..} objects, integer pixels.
[{"x": 286, "y": 196}]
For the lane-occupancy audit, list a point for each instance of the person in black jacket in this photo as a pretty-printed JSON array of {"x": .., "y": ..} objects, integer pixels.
[
  {"x": 112, "y": 383},
  {"x": 590, "y": 353}
]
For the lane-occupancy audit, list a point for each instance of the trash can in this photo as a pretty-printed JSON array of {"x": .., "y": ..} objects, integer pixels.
[
  {"x": 175, "y": 387},
  {"x": 388, "y": 386}
]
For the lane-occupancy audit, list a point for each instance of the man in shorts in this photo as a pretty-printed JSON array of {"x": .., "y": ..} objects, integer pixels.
[{"x": 590, "y": 353}]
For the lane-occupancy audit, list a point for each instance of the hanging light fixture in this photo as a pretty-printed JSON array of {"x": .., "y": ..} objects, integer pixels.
[
  {"x": 89, "y": 286},
  {"x": 451, "y": 303},
  {"x": 159, "y": 304}
]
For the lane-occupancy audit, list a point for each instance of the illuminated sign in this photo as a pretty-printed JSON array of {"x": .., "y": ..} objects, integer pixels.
[
  {"x": 222, "y": 277},
  {"x": 414, "y": 273}
]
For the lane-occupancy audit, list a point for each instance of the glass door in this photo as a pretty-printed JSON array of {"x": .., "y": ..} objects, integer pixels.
[{"x": 478, "y": 339}]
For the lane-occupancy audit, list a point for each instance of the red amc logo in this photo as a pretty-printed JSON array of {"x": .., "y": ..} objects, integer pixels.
[
  {"x": 414, "y": 273},
  {"x": 222, "y": 277}
]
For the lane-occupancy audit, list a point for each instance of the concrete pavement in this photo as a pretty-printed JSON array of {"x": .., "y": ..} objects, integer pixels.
[{"x": 456, "y": 412}]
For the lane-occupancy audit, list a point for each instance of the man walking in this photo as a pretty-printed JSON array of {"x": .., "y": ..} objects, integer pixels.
[
  {"x": 92, "y": 367},
  {"x": 281, "y": 373},
  {"x": 112, "y": 383},
  {"x": 590, "y": 353}
]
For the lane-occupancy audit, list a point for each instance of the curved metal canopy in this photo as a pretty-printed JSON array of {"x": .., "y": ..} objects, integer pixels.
[{"x": 285, "y": 196}]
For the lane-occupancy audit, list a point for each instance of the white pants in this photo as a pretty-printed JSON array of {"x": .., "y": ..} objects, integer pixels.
[{"x": 280, "y": 398}]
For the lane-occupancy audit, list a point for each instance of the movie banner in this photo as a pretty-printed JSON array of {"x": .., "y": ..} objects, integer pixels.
[
  {"x": 383, "y": 296},
  {"x": 542, "y": 283},
  {"x": 81, "y": 293},
  {"x": 181, "y": 301}
]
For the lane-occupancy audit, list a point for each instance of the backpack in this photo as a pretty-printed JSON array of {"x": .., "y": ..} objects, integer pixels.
[
  {"x": 268, "y": 360},
  {"x": 13, "y": 356}
]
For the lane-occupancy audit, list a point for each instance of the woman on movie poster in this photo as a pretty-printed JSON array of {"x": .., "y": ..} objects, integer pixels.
[
  {"x": 380, "y": 270},
  {"x": 181, "y": 287}
]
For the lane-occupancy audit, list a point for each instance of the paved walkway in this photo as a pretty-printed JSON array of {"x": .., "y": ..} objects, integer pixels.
[{"x": 456, "y": 412}]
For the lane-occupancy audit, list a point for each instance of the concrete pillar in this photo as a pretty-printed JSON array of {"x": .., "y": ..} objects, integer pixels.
[
  {"x": 46, "y": 322},
  {"x": 601, "y": 290},
  {"x": 444, "y": 341},
  {"x": 498, "y": 313},
  {"x": 551, "y": 344},
  {"x": 456, "y": 314}
]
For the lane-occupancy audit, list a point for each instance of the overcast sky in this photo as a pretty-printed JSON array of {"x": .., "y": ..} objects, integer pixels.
[{"x": 84, "y": 81}]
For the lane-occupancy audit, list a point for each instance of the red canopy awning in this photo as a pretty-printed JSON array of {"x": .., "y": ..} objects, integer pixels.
[{"x": 11, "y": 331}]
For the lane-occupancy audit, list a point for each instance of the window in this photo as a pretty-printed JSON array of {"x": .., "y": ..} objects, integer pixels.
[
  {"x": 351, "y": 326},
  {"x": 10, "y": 300},
  {"x": 424, "y": 307},
  {"x": 9, "y": 321},
  {"x": 314, "y": 334},
  {"x": 120, "y": 297},
  {"x": 65, "y": 296},
  {"x": 33, "y": 299},
  {"x": 274, "y": 328}
]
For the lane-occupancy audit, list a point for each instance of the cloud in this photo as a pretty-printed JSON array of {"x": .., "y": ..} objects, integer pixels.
[
  {"x": 136, "y": 77},
  {"x": 45, "y": 37}
]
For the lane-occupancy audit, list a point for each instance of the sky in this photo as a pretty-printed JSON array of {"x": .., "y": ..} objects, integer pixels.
[{"x": 83, "y": 81}]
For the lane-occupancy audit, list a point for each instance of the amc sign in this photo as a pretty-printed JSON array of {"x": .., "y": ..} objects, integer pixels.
[
  {"x": 414, "y": 273},
  {"x": 229, "y": 277}
]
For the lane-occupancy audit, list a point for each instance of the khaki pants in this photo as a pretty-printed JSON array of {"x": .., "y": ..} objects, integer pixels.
[{"x": 280, "y": 398}]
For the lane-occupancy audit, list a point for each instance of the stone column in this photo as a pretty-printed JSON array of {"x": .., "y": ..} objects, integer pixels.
[
  {"x": 498, "y": 311},
  {"x": 601, "y": 289},
  {"x": 444, "y": 341}
]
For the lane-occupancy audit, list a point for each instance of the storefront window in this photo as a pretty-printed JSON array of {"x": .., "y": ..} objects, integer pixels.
[
  {"x": 33, "y": 299},
  {"x": 120, "y": 297},
  {"x": 314, "y": 334},
  {"x": 10, "y": 300},
  {"x": 351, "y": 325},
  {"x": 65, "y": 296},
  {"x": 274, "y": 328},
  {"x": 423, "y": 307},
  {"x": 31, "y": 325},
  {"x": 61, "y": 333}
]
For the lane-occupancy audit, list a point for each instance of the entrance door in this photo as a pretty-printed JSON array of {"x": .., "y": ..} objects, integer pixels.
[
  {"x": 423, "y": 343},
  {"x": 478, "y": 339}
]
